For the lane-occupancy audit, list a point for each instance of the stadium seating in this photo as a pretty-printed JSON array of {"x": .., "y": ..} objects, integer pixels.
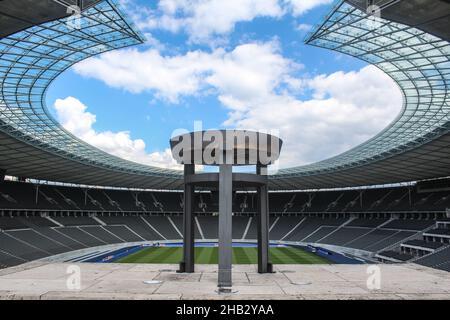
[
  {"x": 134, "y": 223},
  {"x": 440, "y": 260},
  {"x": 210, "y": 226},
  {"x": 396, "y": 256},
  {"x": 28, "y": 196},
  {"x": 37, "y": 221}
]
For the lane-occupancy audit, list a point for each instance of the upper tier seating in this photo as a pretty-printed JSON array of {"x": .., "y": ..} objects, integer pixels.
[{"x": 21, "y": 195}]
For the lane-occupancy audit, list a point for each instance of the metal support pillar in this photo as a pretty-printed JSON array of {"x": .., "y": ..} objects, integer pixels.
[
  {"x": 225, "y": 220},
  {"x": 264, "y": 266},
  {"x": 187, "y": 265}
]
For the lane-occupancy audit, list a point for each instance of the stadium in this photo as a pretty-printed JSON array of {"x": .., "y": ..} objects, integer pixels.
[{"x": 68, "y": 207}]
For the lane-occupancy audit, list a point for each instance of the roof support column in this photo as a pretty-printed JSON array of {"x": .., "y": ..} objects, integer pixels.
[
  {"x": 225, "y": 225},
  {"x": 188, "y": 264},
  {"x": 264, "y": 266}
]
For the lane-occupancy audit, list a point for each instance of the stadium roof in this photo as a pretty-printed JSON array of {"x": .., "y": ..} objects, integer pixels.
[
  {"x": 33, "y": 144},
  {"x": 415, "y": 146},
  {"x": 18, "y": 15},
  {"x": 433, "y": 17}
]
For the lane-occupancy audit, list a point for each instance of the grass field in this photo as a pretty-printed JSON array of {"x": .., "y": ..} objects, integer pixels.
[{"x": 209, "y": 255}]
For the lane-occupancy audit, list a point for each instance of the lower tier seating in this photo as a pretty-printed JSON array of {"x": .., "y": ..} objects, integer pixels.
[{"x": 28, "y": 238}]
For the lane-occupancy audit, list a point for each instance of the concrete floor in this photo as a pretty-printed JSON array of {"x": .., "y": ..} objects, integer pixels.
[{"x": 126, "y": 281}]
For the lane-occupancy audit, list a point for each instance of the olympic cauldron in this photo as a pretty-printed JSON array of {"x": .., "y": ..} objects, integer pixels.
[{"x": 225, "y": 149}]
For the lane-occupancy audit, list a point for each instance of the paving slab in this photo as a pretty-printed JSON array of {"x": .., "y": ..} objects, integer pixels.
[{"x": 49, "y": 281}]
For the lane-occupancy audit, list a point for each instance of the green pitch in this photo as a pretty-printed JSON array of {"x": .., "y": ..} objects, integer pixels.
[{"x": 209, "y": 255}]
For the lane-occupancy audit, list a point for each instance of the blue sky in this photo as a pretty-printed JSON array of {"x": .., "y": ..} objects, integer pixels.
[{"x": 227, "y": 67}]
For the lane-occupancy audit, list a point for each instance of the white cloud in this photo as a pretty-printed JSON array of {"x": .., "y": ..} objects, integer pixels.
[
  {"x": 73, "y": 116},
  {"x": 249, "y": 72},
  {"x": 346, "y": 110},
  {"x": 257, "y": 85},
  {"x": 140, "y": 71},
  {"x": 300, "y": 7},
  {"x": 245, "y": 71},
  {"x": 206, "y": 19},
  {"x": 303, "y": 27}
]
